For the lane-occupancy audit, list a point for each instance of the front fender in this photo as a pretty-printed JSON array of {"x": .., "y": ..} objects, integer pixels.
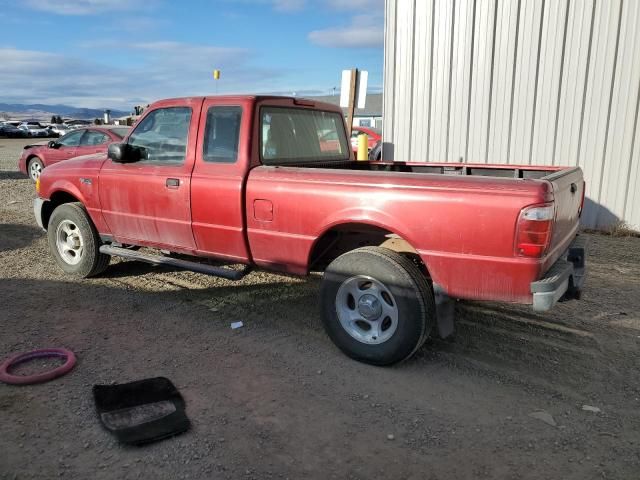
[{"x": 64, "y": 187}]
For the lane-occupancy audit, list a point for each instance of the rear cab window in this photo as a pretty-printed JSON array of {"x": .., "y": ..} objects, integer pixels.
[{"x": 301, "y": 135}]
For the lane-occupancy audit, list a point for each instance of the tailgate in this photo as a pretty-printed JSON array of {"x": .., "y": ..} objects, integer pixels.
[{"x": 568, "y": 194}]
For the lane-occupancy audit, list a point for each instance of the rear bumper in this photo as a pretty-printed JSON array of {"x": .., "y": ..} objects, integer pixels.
[{"x": 564, "y": 278}]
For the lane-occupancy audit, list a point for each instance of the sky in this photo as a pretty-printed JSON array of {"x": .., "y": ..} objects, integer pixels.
[{"x": 120, "y": 53}]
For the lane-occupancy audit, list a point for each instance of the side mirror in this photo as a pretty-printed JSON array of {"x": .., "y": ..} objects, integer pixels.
[
  {"x": 125, "y": 153},
  {"x": 116, "y": 152},
  {"x": 53, "y": 144}
]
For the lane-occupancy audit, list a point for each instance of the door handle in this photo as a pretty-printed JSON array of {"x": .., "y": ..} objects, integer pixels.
[
  {"x": 172, "y": 183},
  {"x": 574, "y": 188}
]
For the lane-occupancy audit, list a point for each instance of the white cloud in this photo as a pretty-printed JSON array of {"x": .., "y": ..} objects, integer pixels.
[
  {"x": 288, "y": 5},
  {"x": 161, "y": 70},
  {"x": 365, "y": 31},
  {"x": 364, "y": 6},
  {"x": 81, "y": 7}
]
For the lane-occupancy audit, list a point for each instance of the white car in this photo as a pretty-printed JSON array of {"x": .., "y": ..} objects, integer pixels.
[
  {"x": 59, "y": 129},
  {"x": 34, "y": 130}
]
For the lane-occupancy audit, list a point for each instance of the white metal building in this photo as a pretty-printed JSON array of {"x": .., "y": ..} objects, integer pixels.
[
  {"x": 553, "y": 82},
  {"x": 369, "y": 116}
]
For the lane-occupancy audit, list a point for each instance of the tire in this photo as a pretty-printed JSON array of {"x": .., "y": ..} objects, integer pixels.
[
  {"x": 394, "y": 311},
  {"x": 34, "y": 168},
  {"x": 74, "y": 242},
  {"x": 376, "y": 152}
]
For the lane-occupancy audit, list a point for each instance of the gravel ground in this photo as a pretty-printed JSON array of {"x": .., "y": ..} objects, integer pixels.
[{"x": 275, "y": 399}]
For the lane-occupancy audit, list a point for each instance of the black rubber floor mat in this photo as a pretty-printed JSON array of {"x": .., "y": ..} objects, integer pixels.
[{"x": 141, "y": 412}]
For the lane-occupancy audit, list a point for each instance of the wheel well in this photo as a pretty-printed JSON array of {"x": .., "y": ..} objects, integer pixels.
[
  {"x": 344, "y": 238},
  {"x": 57, "y": 199},
  {"x": 28, "y": 159}
]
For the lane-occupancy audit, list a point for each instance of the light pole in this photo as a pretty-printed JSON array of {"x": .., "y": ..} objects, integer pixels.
[{"x": 216, "y": 77}]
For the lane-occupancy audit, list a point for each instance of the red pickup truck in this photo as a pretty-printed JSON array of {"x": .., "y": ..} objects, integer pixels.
[{"x": 248, "y": 180}]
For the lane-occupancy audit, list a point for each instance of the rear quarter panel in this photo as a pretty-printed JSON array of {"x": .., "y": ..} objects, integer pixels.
[{"x": 462, "y": 227}]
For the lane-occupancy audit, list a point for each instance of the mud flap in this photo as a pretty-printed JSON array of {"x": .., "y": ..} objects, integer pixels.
[{"x": 445, "y": 312}]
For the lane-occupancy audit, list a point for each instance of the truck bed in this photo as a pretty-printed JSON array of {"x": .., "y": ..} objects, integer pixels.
[
  {"x": 461, "y": 219},
  {"x": 442, "y": 168}
]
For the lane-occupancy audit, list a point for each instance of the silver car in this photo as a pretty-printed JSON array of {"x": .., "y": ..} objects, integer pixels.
[{"x": 34, "y": 130}]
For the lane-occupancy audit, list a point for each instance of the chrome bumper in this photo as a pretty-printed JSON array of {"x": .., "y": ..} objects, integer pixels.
[{"x": 564, "y": 279}]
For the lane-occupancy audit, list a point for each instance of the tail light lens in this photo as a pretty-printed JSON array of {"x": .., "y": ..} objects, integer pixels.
[{"x": 533, "y": 232}]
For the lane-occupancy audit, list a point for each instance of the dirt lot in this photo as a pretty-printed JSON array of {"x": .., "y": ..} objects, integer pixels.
[{"x": 276, "y": 399}]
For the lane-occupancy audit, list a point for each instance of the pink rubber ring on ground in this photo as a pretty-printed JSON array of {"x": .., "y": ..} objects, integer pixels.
[{"x": 11, "y": 362}]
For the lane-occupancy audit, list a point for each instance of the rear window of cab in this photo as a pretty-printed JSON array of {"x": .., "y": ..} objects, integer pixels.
[{"x": 301, "y": 135}]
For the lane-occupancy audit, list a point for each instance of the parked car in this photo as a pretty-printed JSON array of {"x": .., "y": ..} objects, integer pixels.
[
  {"x": 34, "y": 130},
  {"x": 246, "y": 180},
  {"x": 77, "y": 142},
  {"x": 11, "y": 131},
  {"x": 374, "y": 136},
  {"x": 58, "y": 130},
  {"x": 329, "y": 141}
]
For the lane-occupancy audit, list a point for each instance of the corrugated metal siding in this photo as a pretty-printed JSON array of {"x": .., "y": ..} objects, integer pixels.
[{"x": 548, "y": 82}]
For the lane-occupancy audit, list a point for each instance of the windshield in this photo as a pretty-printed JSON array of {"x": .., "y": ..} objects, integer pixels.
[{"x": 295, "y": 135}]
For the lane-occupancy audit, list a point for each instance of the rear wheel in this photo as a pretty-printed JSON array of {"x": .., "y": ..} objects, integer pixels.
[
  {"x": 35, "y": 167},
  {"x": 376, "y": 305},
  {"x": 74, "y": 241}
]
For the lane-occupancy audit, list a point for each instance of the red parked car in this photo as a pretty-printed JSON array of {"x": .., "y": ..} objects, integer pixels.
[
  {"x": 260, "y": 181},
  {"x": 374, "y": 134},
  {"x": 83, "y": 141}
]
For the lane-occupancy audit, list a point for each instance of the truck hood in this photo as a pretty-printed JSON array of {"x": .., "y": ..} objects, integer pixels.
[{"x": 85, "y": 162}]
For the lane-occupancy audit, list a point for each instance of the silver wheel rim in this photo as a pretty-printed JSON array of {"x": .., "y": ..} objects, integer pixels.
[
  {"x": 35, "y": 169},
  {"x": 69, "y": 242},
  {"x": 367, "y": 310}
]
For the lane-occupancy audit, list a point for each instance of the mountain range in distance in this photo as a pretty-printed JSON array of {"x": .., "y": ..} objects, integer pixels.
[{"x": 45, "y": 112}]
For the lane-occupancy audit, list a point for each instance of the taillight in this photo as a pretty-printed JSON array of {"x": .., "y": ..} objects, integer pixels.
[{"x": 533, "y": 232}]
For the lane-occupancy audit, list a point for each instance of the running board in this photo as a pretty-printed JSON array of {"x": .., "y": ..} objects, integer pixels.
[{"x": 227, "y": 273}]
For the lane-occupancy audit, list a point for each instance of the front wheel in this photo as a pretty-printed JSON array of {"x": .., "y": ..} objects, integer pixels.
[
  {"x": 74, "y": 242},
  {"x": 376, "y": 305},
  {"x": 34, "y": 167}
]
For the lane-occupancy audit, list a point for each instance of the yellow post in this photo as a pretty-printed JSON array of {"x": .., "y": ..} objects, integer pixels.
[
  {"x": 363, "y": 146},
  {"x": 216, "y": 74}
]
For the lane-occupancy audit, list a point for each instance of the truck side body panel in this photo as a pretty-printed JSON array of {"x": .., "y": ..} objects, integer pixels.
[
  {"x": 217, "y": 190},
  {"x": 463, "y": 228},
  {"x": 149, "y": 202}
]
